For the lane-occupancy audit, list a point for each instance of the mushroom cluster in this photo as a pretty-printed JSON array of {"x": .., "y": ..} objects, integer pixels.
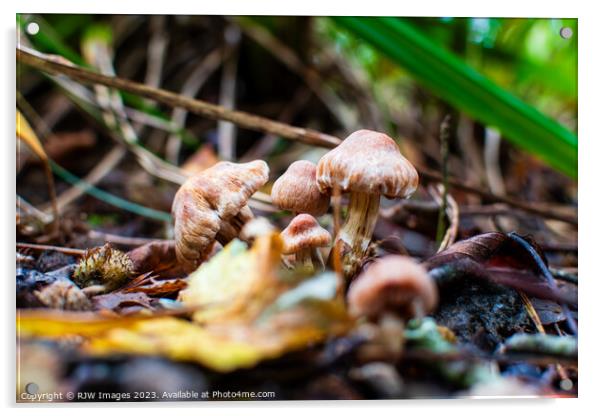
[{"x": 212, "y": 205}]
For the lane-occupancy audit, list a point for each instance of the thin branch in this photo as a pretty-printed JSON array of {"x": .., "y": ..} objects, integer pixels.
[
  {"x": 55, "y": 65},
  {"x": 156, "y": 50},
  {"x": 226, "y": 132},
  {"x": 191, "y": 87},
  {"x": 432, "y": 176},
  {"x": 122, "y": 240},
  {"x": 42, "y": 247},
  {"x": 214, "y": 112},
  {"x": 444, "y": 136}
]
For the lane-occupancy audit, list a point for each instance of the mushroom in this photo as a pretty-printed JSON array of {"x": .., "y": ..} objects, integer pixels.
[
  {"x": 391, "y": 290},
  {"x": 296, "y": 190},
  {"x": 212, "y": 205},
  {"x": 367, "y": 164},
  {"x": 303, "y": 237}
]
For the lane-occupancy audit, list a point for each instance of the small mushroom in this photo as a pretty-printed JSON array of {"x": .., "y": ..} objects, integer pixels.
[
  {"x": 390, "y": 291},
  {"x": 212, "y": 205},
  {"x": 367, "y": 164},
  {"x": 296, "y": 190},
  {"x": 303, "y": 237}
]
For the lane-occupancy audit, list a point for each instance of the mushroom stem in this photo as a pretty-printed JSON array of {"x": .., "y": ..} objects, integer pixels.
[
  {"x": 316, "y": 256},
  {"x": 356, "y": 233},
  {"x": 303, "y": 258},
  {"x": 309, "y": 259},
  {"x": 391, "y": 330}
]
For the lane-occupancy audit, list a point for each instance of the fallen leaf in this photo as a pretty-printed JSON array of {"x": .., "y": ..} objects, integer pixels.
[
  {"x": 26, "y": 133},
  {"x": 119, "y": 300},
  {"x": 63, "y": 294},
  {"x": 57, "y": 324},
  {"x": 202, "y": 159},
  {"x": 248, "y": 314},
  {"x": 237, "y": 282},
  {"x": 496, "y": 258},
  {"x": 153, "y": 286},
  {"x": 158, "y": 257}
]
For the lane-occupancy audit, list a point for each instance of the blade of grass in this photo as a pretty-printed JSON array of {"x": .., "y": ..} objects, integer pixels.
[
  {"x": 466, "y": 89},
  {"x": 26, "y": 134}
]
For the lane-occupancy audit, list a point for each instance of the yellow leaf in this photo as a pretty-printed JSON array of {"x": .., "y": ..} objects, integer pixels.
[
  {"x": 248, "y": 315},
  {"x": 178, "y": 340},
  {"x": 56, "y": 323},
  {"x": 236, "y": 281},
  {"x": 26, "y": 133}
]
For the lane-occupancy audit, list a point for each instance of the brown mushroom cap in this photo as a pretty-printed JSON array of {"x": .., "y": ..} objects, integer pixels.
[
  {"x": 296, "y": 190},
  {"x": 368, "y": 162},
  {"x": 392, "y": 283},
  {"x": 228, "y": 186},
  {"x": 206, "y": 202},
  {"x": 304, "y": 232}
]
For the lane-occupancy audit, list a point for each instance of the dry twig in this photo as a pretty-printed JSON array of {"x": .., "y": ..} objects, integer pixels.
[{"x": 252, "y": 122}]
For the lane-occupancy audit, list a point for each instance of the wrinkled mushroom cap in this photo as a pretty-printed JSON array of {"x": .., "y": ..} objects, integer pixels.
[
  {"x": 227, "y": 186},
  {"x": 368, "y": 162},
  {"x": 304, "y": 232},
  {"x": 207, "y": 201},
  {"x": 296, "y": 190},
  {"x": 392, "y": 283}
]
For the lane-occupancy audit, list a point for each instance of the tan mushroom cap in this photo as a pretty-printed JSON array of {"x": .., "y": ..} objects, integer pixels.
[
  {"x": 369, "y": 162},
  {"x": 304, "y": 232},
  {"x": 296, "y": 190},
  {"x": 207, "y": 201},
  {"x": 392, "y": 283}
]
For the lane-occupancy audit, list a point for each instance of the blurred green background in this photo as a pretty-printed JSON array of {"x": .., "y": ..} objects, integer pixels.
[{"x": 515, "y": 75}]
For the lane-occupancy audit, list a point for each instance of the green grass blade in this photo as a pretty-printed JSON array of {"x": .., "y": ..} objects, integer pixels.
[{"x": 463, "y": 87}]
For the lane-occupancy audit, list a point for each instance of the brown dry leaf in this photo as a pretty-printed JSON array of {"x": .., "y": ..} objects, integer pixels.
[
  {"x": 153, "y": 286},
  {"x": 119, "y": 300},
  {"x": 497, "y": 258},
  {"x": 158, "y": 257},
  {"x": 63, "y": 294},
  {"x": 248, "y": 314},
  {"x": 202, "y": 159}
]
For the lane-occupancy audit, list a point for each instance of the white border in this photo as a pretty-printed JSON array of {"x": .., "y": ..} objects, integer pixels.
[{"x": 590, "y": 70}]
